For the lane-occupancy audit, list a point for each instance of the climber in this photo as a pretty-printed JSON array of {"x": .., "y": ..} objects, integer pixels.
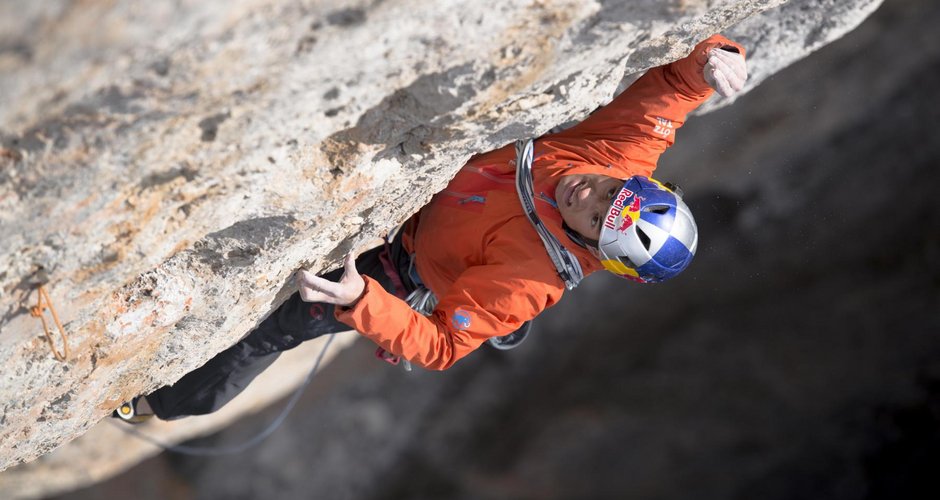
[{"x": 472, "y": 268}]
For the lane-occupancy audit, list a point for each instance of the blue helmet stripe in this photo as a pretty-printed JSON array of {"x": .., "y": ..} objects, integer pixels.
[
  {"x": 662, "y": 221},
  {"x": 672, "y": 253},
  {"x": 668, "y": 262}
]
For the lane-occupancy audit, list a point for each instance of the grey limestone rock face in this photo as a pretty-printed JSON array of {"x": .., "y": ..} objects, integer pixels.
[{"x": 165, "y": 169}]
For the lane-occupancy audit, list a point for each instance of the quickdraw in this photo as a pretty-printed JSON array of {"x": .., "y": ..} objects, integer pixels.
[{"x": 567, "y": 265}]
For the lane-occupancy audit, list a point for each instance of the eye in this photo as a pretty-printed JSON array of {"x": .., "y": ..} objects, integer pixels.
[
  {"x": 611, "y": 193},
  {"x": 595, "y": 220}
]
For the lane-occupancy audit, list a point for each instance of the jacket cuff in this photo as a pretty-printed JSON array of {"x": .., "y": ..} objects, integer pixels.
[
  {"x": 352, "y": 316},
  {"x": 700, "y": 52},
  {"x": 693, "y": 65}
]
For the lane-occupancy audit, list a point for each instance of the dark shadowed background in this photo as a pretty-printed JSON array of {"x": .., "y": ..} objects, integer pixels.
[{"x": 798, "y": 357}]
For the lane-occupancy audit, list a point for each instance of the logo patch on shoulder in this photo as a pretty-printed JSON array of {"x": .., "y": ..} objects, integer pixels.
[{"x": 460, "y": 320}]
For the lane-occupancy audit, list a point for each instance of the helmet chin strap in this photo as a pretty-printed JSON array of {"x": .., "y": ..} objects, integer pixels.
[{"x": 580, "y": 239}]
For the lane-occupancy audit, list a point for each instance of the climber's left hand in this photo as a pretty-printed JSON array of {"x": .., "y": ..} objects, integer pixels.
[
  {"x": 346, "y": 292},
  {"x": 725, "y": 71}
]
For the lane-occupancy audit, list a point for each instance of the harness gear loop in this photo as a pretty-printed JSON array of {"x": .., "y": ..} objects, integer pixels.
[
  {"x": 566, "y": 264},
  {"x": 42, "y": 303}
]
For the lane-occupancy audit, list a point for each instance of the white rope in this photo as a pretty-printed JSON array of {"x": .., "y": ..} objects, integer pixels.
[{"x": 215, "y": 451}]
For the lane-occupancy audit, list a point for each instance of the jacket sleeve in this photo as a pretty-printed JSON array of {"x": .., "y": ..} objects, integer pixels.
[
  {"x": 639, "y": 124},
  {"x": 485, "y": 301}
]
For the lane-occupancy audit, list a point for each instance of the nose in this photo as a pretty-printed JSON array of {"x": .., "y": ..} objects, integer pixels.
[{"x": 584, "y": 194}]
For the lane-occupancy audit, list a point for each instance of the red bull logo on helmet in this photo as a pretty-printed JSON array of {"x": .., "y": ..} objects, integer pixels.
[
  {"x": 630, "y": 213},
  {"x": 627, "y": 207},
  {"x": 616, "y": 208}
]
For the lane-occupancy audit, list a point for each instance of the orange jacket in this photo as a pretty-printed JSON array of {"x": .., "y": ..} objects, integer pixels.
[{"x": 479, "y": 254}]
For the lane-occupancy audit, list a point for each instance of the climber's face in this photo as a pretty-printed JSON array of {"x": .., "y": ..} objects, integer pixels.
[{"x": 583, "y": 199}]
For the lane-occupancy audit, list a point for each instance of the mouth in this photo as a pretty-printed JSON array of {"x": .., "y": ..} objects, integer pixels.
[{"x": 569, "y": 193}]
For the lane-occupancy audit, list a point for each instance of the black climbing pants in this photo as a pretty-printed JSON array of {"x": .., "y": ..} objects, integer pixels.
[{"x": 210, "y": 387}]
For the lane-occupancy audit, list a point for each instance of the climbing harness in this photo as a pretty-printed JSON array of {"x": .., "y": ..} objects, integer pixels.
[
  {"x": 423, "y": 302},
  {"x": 421, "y": 299},
  {"x": 38, "y": 311},
  {"x": 567, "y": 265},
  {"x": 214, "y": 451}
]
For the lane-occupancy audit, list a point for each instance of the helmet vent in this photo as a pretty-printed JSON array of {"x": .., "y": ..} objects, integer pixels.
[
  {"x": 644, "y": 238},
  {"x": 661, "y": 210}
]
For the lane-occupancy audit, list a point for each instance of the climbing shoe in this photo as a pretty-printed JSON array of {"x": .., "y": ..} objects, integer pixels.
[
  {"x": 511, "y": 341},
  {"x": 128, "y": 412}
]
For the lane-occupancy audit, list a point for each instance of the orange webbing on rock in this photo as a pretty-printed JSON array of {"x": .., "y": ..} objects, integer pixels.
[{"x": 38, "y": 311}]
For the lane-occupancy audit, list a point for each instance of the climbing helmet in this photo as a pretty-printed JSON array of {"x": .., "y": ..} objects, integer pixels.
[{"x": 648, "y": 233}]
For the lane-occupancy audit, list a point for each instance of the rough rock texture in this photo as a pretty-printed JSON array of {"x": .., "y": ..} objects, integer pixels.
[
  {"x": 798, "y": 358},
  {"x": 166, "y": 168},
  {"x": 108, "y": 448}
]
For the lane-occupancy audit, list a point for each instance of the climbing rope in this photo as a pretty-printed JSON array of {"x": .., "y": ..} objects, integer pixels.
[
  {"x": 38, "y": 311},
  {"x": 215, "y": 451}
]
